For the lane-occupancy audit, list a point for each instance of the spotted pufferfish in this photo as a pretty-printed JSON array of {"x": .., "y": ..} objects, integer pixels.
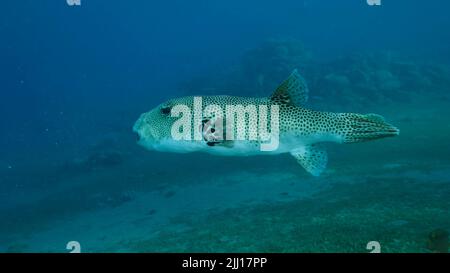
[{"x": 302, "y": 131}]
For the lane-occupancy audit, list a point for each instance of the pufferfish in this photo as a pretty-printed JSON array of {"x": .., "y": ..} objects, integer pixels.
[{"x": 300, "y": 131}]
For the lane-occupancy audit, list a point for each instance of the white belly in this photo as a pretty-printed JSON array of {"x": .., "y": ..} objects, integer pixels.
[{"x": 287, "y": 143}]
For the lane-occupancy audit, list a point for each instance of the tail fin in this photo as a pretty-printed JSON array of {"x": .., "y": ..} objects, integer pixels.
[{"x": 359, "y": 128}]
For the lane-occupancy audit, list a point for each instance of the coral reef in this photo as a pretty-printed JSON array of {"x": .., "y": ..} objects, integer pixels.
[
  {"x": 102, "y": 154},
  {"x": 358, "y": 79},
  {"x": 374, "y": 78},
  {"x": 259, "y": 70},
  {"x": 390, "y": 211},
  {"x": 264, "y": 67},
  {"x": 103, "y": 159}
]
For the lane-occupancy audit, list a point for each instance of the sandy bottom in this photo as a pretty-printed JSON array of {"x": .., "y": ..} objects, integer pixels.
[{"x": 394, "y": 191}]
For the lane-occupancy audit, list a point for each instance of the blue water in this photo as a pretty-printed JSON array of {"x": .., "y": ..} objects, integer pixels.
[{"x": 74, "y": 79}]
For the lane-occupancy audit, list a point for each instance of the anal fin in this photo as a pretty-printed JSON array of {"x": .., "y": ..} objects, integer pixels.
[{"x": 313, "y": 158}]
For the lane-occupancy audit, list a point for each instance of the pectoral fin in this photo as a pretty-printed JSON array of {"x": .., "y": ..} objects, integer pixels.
[{"x": 313, "y": 158}]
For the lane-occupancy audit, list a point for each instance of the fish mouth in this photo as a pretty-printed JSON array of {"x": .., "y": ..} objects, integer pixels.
[
  {"x": 144, "y": 135},
  {"x": 136, "y": 132},
  {"x": 137, "y": 136},
  {"x": 137, "y": 129}
]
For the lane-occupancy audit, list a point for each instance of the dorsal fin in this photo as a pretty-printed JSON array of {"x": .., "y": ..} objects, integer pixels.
[{"x": 292, "y": 91}]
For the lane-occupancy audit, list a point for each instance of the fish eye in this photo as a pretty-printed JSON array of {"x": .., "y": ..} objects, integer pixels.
[{"x": 165, "y": 110}]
